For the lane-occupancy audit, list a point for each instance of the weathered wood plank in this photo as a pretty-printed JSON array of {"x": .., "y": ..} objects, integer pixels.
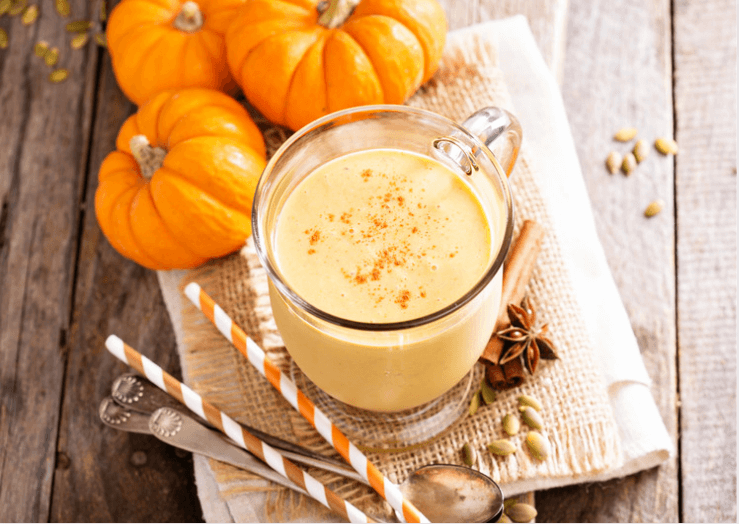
[
  {"x": 705, "y": 103},
  {"x": 547, "y": 19},
  {"x": 44, "y": 130},
  {"x": 618, "y": 73},
  {"x": 103, "y": 478}
]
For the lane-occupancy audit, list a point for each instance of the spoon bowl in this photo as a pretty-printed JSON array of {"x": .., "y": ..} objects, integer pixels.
[{"x": 452, "y": 493}]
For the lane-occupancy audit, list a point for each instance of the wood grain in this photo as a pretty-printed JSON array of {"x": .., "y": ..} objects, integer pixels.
[
  {"x": 618, "y": 73},
  {"x": 547, "y": 19},
  {"x": 103, "y": 478},
  {"x": 705, "y": 102},
  {"x": 44, "y": 130}
]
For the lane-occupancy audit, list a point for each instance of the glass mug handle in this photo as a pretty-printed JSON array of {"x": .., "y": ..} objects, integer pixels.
[{"x": 498, "y": 129}]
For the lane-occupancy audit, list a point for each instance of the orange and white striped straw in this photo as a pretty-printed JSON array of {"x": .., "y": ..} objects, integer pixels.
[
  {"x": 233, "y": 429},
  {"x": 229, "y": 329}
]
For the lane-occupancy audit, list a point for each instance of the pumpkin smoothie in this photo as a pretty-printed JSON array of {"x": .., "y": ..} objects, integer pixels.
[{"x": 384, "y": 236}]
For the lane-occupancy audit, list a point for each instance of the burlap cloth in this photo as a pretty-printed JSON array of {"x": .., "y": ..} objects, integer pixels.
[{"x": 589, "y": 415}]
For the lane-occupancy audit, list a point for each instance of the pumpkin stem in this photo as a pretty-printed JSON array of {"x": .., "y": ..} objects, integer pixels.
[
  {"x": 333, "y": 13},
  {"x": 189, "y": 19},
  {"x": 149, "y": 158}
]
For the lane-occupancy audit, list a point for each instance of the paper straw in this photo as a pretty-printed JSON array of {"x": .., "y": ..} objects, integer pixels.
[
  {"x": 230, "y": 427},
  {"x": 229, "y": 329}
]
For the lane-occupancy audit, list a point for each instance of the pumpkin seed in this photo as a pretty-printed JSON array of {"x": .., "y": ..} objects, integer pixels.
[
  {"x": 532, "y": 418},
  {"x": 501, "y": 447},
  {"x": 470, "y": 455},
  {"x": 41, "y": 48},
  {"x": 4, "y": 6},
  {"x": 79, "y": 40},
  {"x": 538, "y": 445},
  {"x": 474, "y": 403},
  {"x": 504, "y": 518},
  {"x": 17, "y": 7},
  {"x": 100, "y": 40},
  {"x": 511, "y": 425},
  {"x": 487, "y": 392},
  {"x": 78, "y": 26},
  {"x": 3, "y": 38},
  {"x": 653, "y": 208},
  {"x": 666, "y": 146},
  {"x": 63, "y": 7},
  {"x": 59, "y": 75},
  {"x": 521, "y": 512},
  {"x": 526, "y": 400},
  {"x": 625, "y": 134},
  {"x": 628, "y": 164},
  {"x": 52, "y": 57},
  {"x": 30, "y": 15},
  {"x": 640, "y": 150},
  {"x": 613, "y": 161},
  {"x": 103, "y": 11}
]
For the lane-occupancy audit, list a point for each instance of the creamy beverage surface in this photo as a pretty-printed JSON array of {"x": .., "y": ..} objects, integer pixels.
[{"x": 382, "y": 236}]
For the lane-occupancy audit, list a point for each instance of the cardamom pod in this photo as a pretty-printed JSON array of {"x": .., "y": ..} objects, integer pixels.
[
  {"x": 521, "y": 512},
  {"x": 526, "y": 400},
  {"x": 625, "y": 134},
  {"x": 100, "y": 40},
  {"x": 4, "y": 6},
  {"x": 17, "y": 7},
  {"x": 504, "y": 518},
  {"x": 3, "y": 38},
  {"x": 538, "y": 445},
  {"x": 628, "y": 164},
  {"x": 666, "y": 146},
  {"x": 78, "y": 26},
  {"x": 532, "y": 418},
  {"x": 474, "y": 403},
  {"x": 487, "y": 392},
  {"x": 469, "y": 454},
  {"x": 501, "y": 447},
  {"x": 511, "y": 425},
  {"x": 30, "y": 15},
  {"x": 640, "y": 150},
  {"x": 653, "y": 208},
  {"x": 41, "y": 48},
  {"x": 613, "y": 162},
  {"x": 79, "y": 40},
  {"x": 63, "y": 7},
  {"x": 52, "y": 57},
  {"x": 59, "y": 75}
]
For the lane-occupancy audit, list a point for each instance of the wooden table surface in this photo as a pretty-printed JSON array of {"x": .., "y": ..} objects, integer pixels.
[{"x": 667, "y": 68}]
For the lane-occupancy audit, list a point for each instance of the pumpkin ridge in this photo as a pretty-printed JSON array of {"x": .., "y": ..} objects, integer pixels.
[
  {"x": 179, "y": 189},
  {"x": 321, "y": 40},
  {"x": 137, "y": 64},
  {"x": 172, "y": 238},
  {"x": 369, "y": 61},
  {"x": 133, "y": 251},
  {"x": 207, "y": 186}
]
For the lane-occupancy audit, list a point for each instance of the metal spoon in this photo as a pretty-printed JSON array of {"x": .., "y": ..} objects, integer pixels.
[
  {"x": 451, "y": 493},
  {"x": 443, "y": 492}
]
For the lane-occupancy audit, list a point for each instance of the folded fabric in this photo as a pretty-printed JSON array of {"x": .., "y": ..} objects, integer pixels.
[{"x": 615, "y": 432}]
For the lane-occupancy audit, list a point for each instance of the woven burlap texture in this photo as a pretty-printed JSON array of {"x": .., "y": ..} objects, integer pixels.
[{"x": 578, "y": 420}]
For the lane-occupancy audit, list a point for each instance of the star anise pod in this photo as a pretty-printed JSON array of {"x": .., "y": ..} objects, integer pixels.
[{"x": 525, "y": 339}]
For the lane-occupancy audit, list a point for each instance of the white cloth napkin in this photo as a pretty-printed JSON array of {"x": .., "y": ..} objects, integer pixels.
[{"x": 539, "y": 107}]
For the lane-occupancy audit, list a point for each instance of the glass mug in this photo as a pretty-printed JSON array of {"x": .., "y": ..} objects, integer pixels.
[{"x": 389, "y": 367}]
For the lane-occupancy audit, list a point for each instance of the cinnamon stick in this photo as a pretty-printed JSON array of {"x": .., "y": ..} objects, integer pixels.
[
  {"x": 504, "y": 377},
  {"x": 516, "y": 275}
]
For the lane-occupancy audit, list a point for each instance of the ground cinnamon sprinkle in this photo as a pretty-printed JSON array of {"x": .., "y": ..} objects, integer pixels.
[
  {"x": 403, "y": 298},
  {"x": 315, "y": 237}
]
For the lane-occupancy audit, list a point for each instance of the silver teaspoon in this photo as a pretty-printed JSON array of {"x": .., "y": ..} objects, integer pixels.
[{"x": 451, "y": 493}]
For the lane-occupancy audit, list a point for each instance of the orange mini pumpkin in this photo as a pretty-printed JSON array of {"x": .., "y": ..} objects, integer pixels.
[
  {"x": 295, "y": 66},
  {"x": 157, "y": 45},
  {"x": 179, "y": 189}
]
